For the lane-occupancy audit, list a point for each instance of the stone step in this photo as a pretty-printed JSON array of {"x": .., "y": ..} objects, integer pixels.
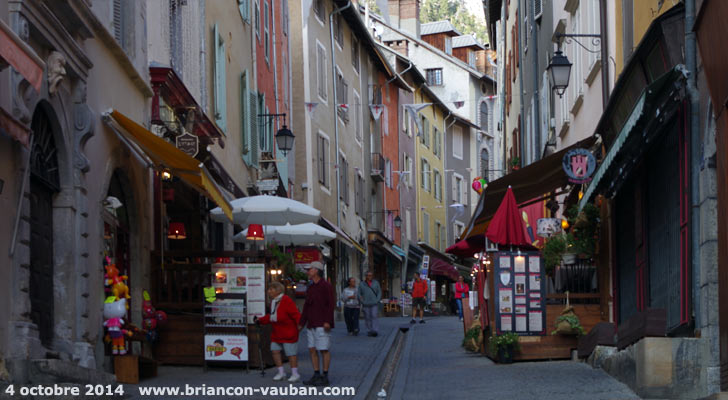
[{"x": 50, "y": 371}]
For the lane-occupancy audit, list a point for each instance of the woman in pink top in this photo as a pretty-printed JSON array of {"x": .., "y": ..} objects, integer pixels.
[{"x": 461, "y": 292}]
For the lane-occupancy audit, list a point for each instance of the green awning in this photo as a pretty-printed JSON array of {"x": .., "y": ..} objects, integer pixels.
[
  {"x": 652, "y": 106},
  {"x": 399, "y": 251}
]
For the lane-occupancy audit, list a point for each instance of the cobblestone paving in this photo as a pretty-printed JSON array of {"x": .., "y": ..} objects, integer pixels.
[
  {"x": 352, "y": 360},
  {"x": 436, "y": 366}
]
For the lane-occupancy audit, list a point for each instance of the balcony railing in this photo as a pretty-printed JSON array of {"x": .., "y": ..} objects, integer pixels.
[{"x": 377, "y": 167}]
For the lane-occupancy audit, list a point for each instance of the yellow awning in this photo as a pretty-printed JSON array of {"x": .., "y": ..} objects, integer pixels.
[{"x": 166, "y": 155}]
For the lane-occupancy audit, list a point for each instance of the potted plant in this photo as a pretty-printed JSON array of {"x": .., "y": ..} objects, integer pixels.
[
  {"x": 584, "y": 230},
  {"x": 515, "y": 163},
  {"x": 568, "y": 323},
  {"x": 553, "y": 251},
  {"x": 503, "y": 346}
]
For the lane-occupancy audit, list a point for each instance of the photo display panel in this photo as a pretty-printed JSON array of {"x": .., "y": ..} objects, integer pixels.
[{"x": 520, "y": 295}]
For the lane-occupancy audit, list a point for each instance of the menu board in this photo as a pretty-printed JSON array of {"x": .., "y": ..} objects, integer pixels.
[
  {"x": 520, "y": 297},
  {"x": 242, "y": 278}
]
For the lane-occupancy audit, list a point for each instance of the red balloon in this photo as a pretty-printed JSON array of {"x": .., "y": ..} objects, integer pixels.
[
  {"x": 161, "y": 316},
  {"x": 150, "y": 324}
]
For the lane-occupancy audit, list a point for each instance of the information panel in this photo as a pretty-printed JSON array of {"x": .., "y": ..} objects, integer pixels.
[{"x": 520, "y": 296}]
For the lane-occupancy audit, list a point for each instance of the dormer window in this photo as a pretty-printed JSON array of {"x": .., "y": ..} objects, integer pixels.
[
  {"x": 471, "y": 58},
  {"x": 448, "y": 45}
]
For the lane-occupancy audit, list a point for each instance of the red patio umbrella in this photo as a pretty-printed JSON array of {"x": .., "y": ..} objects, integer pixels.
[
  {"x": 467, "y": 247},
  {"x": 506, "y": 227}
]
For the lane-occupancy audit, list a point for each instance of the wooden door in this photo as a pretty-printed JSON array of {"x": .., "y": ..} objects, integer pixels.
[{"x": 41, "y": 259}]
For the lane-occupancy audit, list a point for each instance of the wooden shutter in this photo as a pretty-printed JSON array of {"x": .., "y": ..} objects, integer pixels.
[
  {"x": 319, "y": 158},
  {"x": 244, "y": 8},
  {"x": 454, "y": 188},
  {"x": 118, "y": 24},
  {"x": 466, "y": 193},
  {"x": 244, "y": 117},
  {"x": 253, "y": 127},
  {"x": 220, "y": 106}
]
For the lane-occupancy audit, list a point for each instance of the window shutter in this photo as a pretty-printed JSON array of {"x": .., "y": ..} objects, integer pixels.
[
  {"x": 118, "y": 34},
  {"x": 253, "y": 127},
  {"x": 410, "y": 167},
  {"x": 220, "y": 107},
  {"x": 537, "y": 9},
  {"x": 319, "y": 158},
  {"x": 455, "y": 188},
  {"x": 244, "y": 8},
  {"x": 466, "y": 193},
  {"x": 245, "y": 117}
]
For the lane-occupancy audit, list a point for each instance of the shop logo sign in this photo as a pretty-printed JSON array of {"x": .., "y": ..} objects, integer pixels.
[
  {"x": 189, "y": 144},
  {"x": 579, "y": 165}
]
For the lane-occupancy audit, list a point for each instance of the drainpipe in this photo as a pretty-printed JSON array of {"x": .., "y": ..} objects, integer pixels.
[
  {"x": 399, "y": 74},
  {"x": 536, "y": 86},
  {"x": 502, "y": 93},
  {"x": 336, "y": 121},
  {"x": 275, "y": 87},
  {"x": 691, "y": 61}
]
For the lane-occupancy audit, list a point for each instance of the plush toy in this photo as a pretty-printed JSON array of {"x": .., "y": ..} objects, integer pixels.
[
  {"x": 479, "y": 184},
  {"x": 114, "y": 311},
  {"x": 117, "y": 282},
  {"x": 152, "y": 317}
]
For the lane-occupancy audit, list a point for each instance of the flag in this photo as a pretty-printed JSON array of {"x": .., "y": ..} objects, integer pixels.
[
  {"x": 459, "y": 211},
  {"x": 413, "y": 109},
  {"x": 376, "y": 110},
  {"x": 310, "y": 107},
  {"x": 401, "y": 174},
  {"x": 459, "y": 104},
  {"x": 343, "y": 107}
]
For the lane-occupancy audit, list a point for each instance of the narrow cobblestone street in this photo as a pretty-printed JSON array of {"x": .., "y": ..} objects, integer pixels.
[{"x": 434, "y": 365}]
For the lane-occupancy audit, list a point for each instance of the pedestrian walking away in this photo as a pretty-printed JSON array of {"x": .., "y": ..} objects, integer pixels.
[
  {"x": 370, "y": 293},
  {"x": 284, "y": 317},
  {"x": 419, "y": 294},
  {"x": 318, "y": 320},
  {"x": 350, "y": 299},
  {"x": 461, "y": 292}
]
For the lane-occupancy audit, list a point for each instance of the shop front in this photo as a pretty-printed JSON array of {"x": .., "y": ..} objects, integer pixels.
[{"x": 386, "y": 264}]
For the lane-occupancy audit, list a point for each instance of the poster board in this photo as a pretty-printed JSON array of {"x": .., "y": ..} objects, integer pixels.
[
  {"x": 225, "y": 347},
  {"x": 520, "y": 295},
  {"x": 242, "y": 278}
]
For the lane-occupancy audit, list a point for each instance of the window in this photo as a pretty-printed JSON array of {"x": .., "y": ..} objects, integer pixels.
[
  {"x": 472, "y": 59},
  {"x": 411, "y": 169},
  {"x": 406, "y": 164},
  {"x": 448, "y": 45},
  {"x": 245, "y": 116},
  {"x": 483, "y": 117},
  {"x": 123, "y": 24},
  {"x": 318, "y": 9},
  {"x": 425, "y": 175},
  {"x": 443, "y": 238},
  {"x": 458, "y": 228},
  {"x": 434, "y": 76},
  {"x": 342, "y": 96},
  {"x": 344, "y": 179},
  {"x": 457, "y": 142},
  {"x": 437, "y": 235},
  {"x": 323, "y": 160},
  {"x": 257, "y": 18},
  {"x": 354, "y": 52},
  {"x": 220, "y": 94},
  {"x": 484, "y": 164},
  {"x": 253, "y": 126},
  {"x": 457, "y": 188},
  {"x": 437, "y": 142},
  {"x": 438, "y": 185},
  {"x": 357, "y": 117},
  {"x": 263, "y": 124},
  {"x": 266, "y": 28},
  {"x": 321, "y": 71},
  {"x": 426, "y": 227},
  {"x": 244, "y": 7},
  {"x": 425, "y": 134},
  {"x": 338, "y": 30},
  {"x": 388, "y": 172}
]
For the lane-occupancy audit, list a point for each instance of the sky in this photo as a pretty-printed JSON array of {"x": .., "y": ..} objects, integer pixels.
[{"x": 475, "y": 7}]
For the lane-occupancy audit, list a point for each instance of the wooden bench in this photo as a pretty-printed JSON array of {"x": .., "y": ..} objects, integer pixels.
[{"x": 601, "y": 334}]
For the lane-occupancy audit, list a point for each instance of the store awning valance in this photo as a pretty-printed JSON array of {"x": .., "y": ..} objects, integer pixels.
[
  {"x": 654, "y": 105},
  {"x": 443, "y": 268},
  {"x": 530, "y": 182},
  {"x": 399, "y": 251},
  {"x": 21, "y": 56},
  {"x": 165, "y": 155},
  {"x": 346, "y": 239}
]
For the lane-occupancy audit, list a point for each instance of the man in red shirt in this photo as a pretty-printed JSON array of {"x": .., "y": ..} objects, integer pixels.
[
  {"x": 419, "y": 291},
  {"x": 318, "y": 319}
]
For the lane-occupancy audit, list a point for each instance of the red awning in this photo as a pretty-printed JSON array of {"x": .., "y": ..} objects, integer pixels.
[
  {"x": 18, "y": 54},
  {"x": 467, "y": 247},
  {"x": 506, "y": 227},
  {"x": 443, "y": 268}
]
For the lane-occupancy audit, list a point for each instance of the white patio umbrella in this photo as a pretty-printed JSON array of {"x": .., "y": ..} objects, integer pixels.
[
  {"x": 268, "y": 210},
  {"x": 292, "y": 235}
]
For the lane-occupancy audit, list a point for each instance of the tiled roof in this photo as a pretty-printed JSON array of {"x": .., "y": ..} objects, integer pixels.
[
  {"x": 432, "y": 28},
  {"x": 465, "y": 41}
]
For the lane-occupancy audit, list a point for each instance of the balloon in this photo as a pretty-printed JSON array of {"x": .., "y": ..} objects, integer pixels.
[
  {"x": 150, "y": 324},
  {"x": 479, "y": 184}
]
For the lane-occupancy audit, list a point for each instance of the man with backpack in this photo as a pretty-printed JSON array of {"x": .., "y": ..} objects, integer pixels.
[{"x": 419, "y": 293}]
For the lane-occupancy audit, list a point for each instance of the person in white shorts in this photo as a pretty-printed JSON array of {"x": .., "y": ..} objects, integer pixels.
[{"x": 318, "y": 319}]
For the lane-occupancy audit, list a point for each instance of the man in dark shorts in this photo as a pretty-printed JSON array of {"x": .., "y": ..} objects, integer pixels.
[{"x": 419, "y": 292}]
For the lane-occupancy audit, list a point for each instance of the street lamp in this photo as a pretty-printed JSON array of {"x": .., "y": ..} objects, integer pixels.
[
  {"x": 559, "y": 70},
  {"x": 397, "y": 222},
  {"x": 284, "y": 140}
]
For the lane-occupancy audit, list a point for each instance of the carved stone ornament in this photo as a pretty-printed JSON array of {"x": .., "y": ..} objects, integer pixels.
[
  {"x": 56, "y": 71},
  {"x": 82, "y": 127}
]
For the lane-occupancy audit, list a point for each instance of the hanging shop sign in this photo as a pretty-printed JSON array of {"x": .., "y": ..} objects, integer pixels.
[
  {"x": 520, "y": 294},
  {"x": 579, "y": 165},
  {"x": 307, "y": 255},
  {"x": 189, "y": 144},
  {"x": 548, "y": 227},
  {"x": 267, "y": 185}
]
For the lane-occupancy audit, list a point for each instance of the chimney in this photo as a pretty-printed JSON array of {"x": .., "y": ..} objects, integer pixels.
[
  {"x": 400, "y": 46},
  {"x": 405, "y": 15}
]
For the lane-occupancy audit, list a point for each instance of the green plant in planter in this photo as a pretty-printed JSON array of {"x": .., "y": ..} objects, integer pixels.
[
  {"x": 471, "y": 334},
  {"x": 584, "y": 230},
  {"x": 552, "y": 251},
  {"x": 573, "y": 322},
  {"x": 284, "y": 260},
  {"x": 515, "y": 162},
  {"x": 505, "y": 342}
]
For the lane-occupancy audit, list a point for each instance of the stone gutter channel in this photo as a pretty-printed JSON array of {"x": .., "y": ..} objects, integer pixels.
[{"x": 383, "y": 383}]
